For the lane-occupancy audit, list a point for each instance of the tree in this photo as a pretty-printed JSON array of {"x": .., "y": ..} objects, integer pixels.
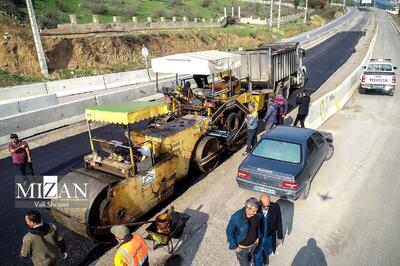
[{"x": 296, "y": 3}]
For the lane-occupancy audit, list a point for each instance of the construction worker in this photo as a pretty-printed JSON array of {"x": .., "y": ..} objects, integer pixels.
[
  {"x": 282, "y": 108},
  {"x": 252, "y": 126},
  {"x": 132, "y": 249},
  {"x": 21, "y": 155},
  {"x": 43, "y": 242}
]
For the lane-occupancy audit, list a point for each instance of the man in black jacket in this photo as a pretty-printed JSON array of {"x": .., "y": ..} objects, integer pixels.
[
  {"x": 303, "y": 100},
  {"x": 271, "y": 230}
]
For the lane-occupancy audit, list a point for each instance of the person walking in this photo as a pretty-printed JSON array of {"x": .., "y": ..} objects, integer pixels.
[
  {"x": 132, "y": 249},
  {"x": 243, "y": 232},
  {"x": 282, "y": 108},
  {"x": 252, "y": 126},
  {"x": 270, "y": 116},
  {"x": 43, "y": 241},
  {"x": 21, "y": 155},
  {"x": 270, "y": 228},
  {"x": 303, "y": 100}
]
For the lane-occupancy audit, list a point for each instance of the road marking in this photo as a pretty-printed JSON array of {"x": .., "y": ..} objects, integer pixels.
[{"x": 396, "y": 29}]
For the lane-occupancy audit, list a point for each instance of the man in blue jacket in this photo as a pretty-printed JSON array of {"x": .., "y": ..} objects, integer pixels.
[
  {"x": 270, "y": 228},
  {"x": 243, "y": 232},
  {"x": 270, "y": 117}
]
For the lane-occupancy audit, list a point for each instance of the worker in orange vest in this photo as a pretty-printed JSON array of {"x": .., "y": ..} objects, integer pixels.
[{"x": 132, "y": 249}]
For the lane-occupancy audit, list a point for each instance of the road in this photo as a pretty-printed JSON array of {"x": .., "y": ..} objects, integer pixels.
[
  {"x": 58, "y": 157},
  {"x": 309, "y": 36},
  {"x": 351, "y": 216}
]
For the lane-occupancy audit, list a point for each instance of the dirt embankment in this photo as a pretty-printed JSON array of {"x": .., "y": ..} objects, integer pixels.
[
  {"x": 17, "y": 49},
  {"x": 105, "y": 51},
  {"x": 18, "y": 53}
]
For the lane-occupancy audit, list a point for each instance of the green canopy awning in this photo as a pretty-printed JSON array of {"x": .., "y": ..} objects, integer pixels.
[{"x": 126, "y": 113}]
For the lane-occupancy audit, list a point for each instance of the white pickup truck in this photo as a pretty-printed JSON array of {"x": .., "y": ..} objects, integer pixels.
[{"x": 379, "y": 75}]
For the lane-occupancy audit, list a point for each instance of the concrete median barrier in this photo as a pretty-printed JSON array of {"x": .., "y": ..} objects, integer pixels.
[
  {"x": 75, "y": 86},
  {"x": 15, "y": 106},
  {"x": 33, "y": 89},
  {"x": 38, "y": 121},
  {"x": 126, "y": 95},
  {"x": 125, "y": 78}
]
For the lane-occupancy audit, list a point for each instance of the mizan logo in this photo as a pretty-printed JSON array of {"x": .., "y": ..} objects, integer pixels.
[{"x": 50, "y": 189}]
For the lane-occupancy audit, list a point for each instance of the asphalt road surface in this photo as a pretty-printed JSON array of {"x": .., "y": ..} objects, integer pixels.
[{"x": 58, "y": 157}]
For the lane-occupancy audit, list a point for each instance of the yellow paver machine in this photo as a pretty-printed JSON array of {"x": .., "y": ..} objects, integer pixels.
[
  {"x": 129, "y": 176},
  {"x": 206, "y": 84}
]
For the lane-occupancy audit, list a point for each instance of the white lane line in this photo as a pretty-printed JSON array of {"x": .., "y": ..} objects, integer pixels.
[{"x": 396, "y": 29}]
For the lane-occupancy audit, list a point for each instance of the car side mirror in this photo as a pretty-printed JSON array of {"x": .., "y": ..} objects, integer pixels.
[
  {"x": 394, "y": 68},
  {"x": 364, "y": 67}
]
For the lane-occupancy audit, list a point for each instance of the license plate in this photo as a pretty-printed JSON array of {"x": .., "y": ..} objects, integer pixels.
[
  {"x": 263, "y": 189},
  {"x": 377, "y": 86}
]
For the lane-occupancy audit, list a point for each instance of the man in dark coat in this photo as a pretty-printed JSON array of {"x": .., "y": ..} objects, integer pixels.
[
  {"x": 303, "y": 100},
  {"x": 270, "y": 117},
  {"x": 270, "y": 229}
]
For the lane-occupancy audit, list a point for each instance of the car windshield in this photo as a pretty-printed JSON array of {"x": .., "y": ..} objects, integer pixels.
[{"x": 278, "y": 150}]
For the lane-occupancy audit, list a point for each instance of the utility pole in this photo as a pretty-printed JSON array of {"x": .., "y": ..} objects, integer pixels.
[
  {"x": 305, "y": 12},
  {"x": 38, "y": 42},
  {"x": 270, "y": 14},
  {"x": 344, "y": 4},
  {"x": 279, "y": 14}
]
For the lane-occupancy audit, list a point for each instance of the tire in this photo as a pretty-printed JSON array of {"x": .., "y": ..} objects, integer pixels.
[
  {"x": 391, "y": 93},
  {"x": 361, "y": 90},
  {"x": 307, "y": 188},
  {"x": 303, "y": 80},
  {"x": 232, "y": 122},
  {"x": 330, "y": 152}
]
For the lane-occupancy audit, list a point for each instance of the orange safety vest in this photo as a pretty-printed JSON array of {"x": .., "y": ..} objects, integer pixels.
[{"x": 131, "y": 253}]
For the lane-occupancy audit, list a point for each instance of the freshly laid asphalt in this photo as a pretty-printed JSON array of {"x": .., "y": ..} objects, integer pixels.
[{"x": 59, "y": 157}]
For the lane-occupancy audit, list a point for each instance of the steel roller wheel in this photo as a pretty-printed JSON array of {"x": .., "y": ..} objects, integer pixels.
[{"x": 207, "y": 154}]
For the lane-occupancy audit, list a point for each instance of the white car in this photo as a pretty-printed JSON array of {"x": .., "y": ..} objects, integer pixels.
[{"x": 379, "y": 75}]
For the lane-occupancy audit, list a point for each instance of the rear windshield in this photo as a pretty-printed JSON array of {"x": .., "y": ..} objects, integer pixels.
[
  {"x": 379, "y": 67},
  {"x": 278, "y": 150}
]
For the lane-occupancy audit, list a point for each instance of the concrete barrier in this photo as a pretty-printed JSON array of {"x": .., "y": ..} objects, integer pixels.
[
  {"x": 37, "y": 102},
  {"x": 8, "y": 108},
  {"x": 15, "y": 106},
  {"x": 38, "y": 121},
  {"x": 75, "y": 86},
  {"x": 125, "y": 78},
  {"x": 126, "y": 95},
  {"x": 22, "y": 91}
]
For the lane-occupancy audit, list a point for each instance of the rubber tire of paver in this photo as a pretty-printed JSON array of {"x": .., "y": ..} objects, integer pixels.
[{"x": 232, "y": 122}]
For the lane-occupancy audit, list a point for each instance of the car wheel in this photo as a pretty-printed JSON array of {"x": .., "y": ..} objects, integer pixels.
[
  {"x": 361, "y": 90},
  {"x": 391, "y": 93},
  {"x": 306, "y": 189},
  {"x": 329, "y": 154}
]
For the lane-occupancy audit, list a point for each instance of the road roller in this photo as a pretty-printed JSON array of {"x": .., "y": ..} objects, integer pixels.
[{"x": 129, "y": 175}]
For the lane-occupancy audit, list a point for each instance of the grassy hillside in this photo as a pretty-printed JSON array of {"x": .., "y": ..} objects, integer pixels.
[{"x": 51, "y": 12}]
